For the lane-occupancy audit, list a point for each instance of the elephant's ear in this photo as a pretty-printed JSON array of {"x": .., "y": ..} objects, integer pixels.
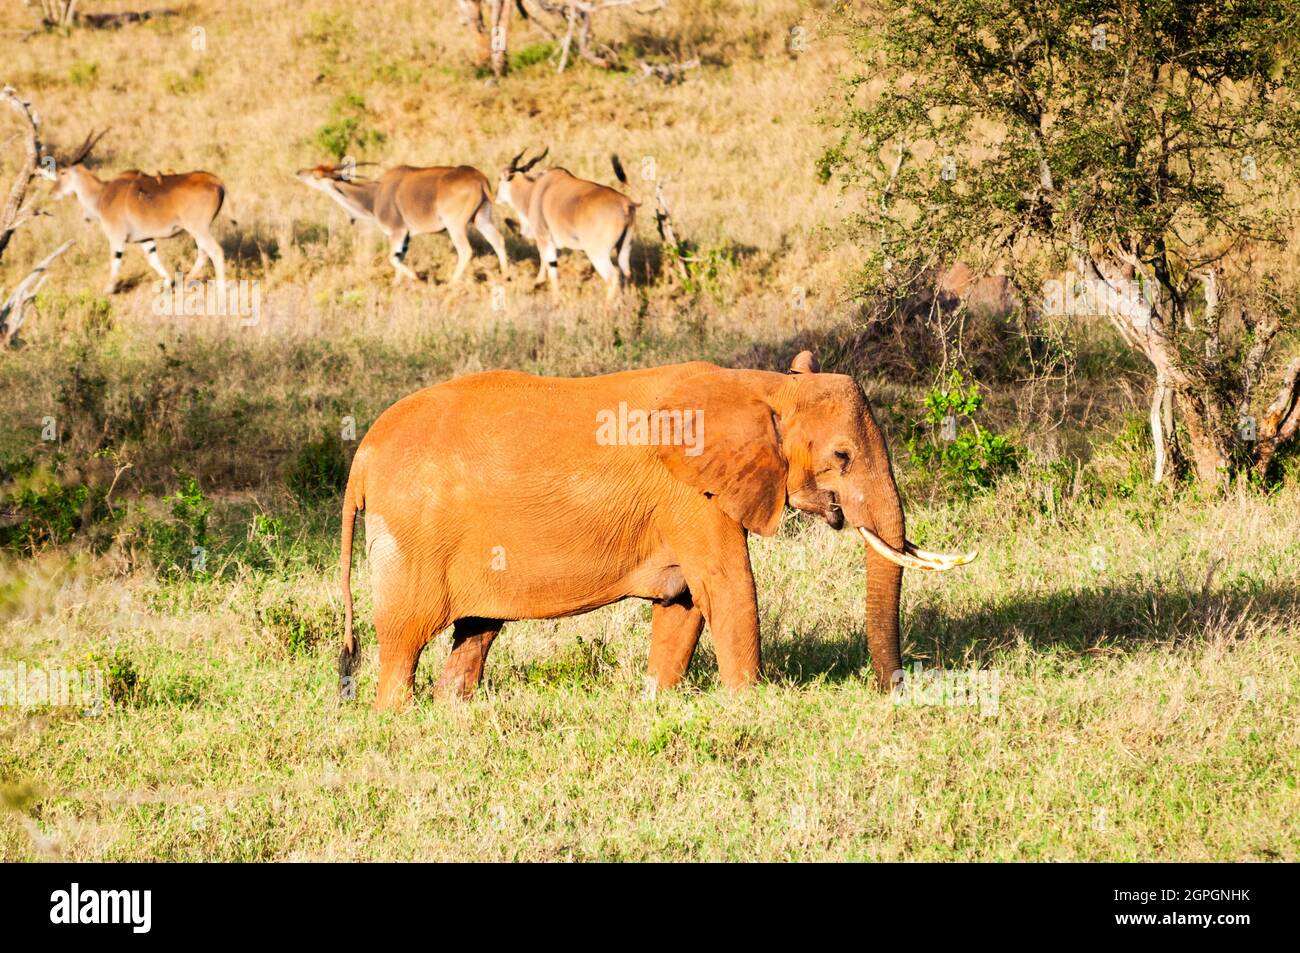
[{"x": 732, "y": 451}]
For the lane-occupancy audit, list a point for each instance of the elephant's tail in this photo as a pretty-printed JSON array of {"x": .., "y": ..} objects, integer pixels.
[{"x": 348, "y": 656}]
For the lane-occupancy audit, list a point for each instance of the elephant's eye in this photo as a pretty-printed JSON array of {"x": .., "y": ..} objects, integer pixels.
[{"x": 842, "y": 457}]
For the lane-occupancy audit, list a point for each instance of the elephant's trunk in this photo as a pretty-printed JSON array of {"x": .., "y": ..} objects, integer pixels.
[{"x": 884, "y": 586}]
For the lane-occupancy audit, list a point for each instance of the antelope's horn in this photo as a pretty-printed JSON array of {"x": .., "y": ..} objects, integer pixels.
[
  {"x": 914, "y": 558},
  {"x": 532, "y": 162}
]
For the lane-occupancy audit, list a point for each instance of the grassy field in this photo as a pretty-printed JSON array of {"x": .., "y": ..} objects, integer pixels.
[{"x": 1139, "y": 647}]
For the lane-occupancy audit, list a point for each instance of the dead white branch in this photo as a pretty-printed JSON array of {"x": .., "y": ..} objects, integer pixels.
[
  {"x": 18, "y": 208},
  {"x": 574, "y": 19},
  {"x": 13, "y": 312},
  {"x": 664, "y": 221}
]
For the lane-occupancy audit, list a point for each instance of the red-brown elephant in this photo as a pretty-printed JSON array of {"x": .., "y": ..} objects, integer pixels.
[{"x": 505, "y": 496}]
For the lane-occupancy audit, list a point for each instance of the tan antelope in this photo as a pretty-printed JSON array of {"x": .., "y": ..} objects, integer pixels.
[
  {"x": 407, "y": 201},
  {"x": 559, "y": 210},
  {"x": 139, "y": 208}
]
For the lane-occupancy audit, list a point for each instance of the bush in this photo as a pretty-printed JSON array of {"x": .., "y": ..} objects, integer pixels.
[
  {"x": 345, "y": 127},
  {"x": 122, "y": 682},
  {"x": 83, "y": 74},
  {"x": 968, "y": 459},
  {"x": 319, "y": 472},
  {"x": 178, "y": 544},
  {"x": 531, "y": 55},
  {"x": 41, "y": 509},
  {"x": 300, "y": 628}
]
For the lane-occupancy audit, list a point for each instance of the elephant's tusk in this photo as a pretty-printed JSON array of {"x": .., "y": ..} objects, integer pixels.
[
  {"x": 915, "y": 559},
  {"x": 948, "y": 559}
]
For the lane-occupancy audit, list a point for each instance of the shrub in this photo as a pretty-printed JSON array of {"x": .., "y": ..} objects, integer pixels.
[
  {"x": 969, "y": 459},
  {"x": 531, "y": 55},
  {"x": 318, "y": 472},
  {"x": 122, "y": 681},
  {"x": 300, "y": 628},
  {"x": 345, "y": 127},
  {"x": 42, "y": 509},
  {"x": 83, "y": 74},
  {"x": 178, "y": 544}
]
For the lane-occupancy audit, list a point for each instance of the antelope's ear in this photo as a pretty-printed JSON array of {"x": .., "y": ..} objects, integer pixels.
[
  {"x": 730, "y": 451},
  {"x": 804, "y": 363}
]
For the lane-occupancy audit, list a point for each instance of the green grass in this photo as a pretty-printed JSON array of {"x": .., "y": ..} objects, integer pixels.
[{"x": 1140, "y": 714}]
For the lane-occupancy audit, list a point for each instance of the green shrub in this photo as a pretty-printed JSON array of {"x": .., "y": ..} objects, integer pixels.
[
  {"x": 969, "y": 459},
  {"x": 122, "y": 681},
  {"x": 587, "y": 663},
  {"x": 319, "y": 471},
  {"x": 704, "y": 267},
  {"x": 531, "y": 55},
  {"x": 178, "y": 544},
  {"x": 178, "y": 84},
  {"x": 301, "y": 628},
  {"x": 346, "y": 128},
  {"x": 41, "y": 509},
  {"x": 83, "y": 74}
]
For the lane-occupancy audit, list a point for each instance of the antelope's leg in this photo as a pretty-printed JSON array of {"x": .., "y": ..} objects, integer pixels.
[
  {"x": 398, "y": 245},
  {"x": 625, "y": 255},
  {"x": 151, "y": 252},
  {"x": 115, "y": 266},
  {"x": 605, "y": 268},
  {"x": 464, "y": 253},
  {"x": 548, "y": 253},
  {"x": 486, "y": 228},
  {"x": 200, "y": 260},
  {"x": 212, "y": 248}
]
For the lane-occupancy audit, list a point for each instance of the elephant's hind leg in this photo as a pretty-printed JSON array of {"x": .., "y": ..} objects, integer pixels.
[
  {"x": 674, "y": 633},
  {"x": 400, "y": 645},
  {"x": 470, "y": 642}
]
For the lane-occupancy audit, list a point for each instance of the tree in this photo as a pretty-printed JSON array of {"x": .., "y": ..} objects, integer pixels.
[
  {"x": 1145, "y": 149},
  {"x": 489, "y": 20},
  {"x": 18, "y": 209}
]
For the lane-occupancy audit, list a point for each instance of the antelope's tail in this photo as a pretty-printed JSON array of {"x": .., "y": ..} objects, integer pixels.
[{"x": 622, "y": 178}]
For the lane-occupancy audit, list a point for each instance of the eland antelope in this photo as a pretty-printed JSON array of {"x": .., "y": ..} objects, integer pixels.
[
  {"x": 559, "y": 210},
  {"x": 139, "y": 208},
  {"x": 407, "y": 201}
]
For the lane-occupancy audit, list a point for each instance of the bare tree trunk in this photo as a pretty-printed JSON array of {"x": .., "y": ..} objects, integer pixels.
[
  {"x": 500, "y": 25},
  {"x": 13, "y": 310},
  {"x": 1281, "y": 420},
  {"x": 19, "y": 208},
  {"x": 1159, "y": 398},
  {"x": 471, "y": 12}
]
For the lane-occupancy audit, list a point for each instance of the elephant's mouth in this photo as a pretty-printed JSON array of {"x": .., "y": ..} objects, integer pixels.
[
  {"x": 833, "y": 515},
  {"x": 823, "y": 503}
]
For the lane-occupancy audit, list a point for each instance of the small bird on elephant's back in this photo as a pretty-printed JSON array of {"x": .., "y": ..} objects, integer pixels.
[{"x": 503, "y": 496}]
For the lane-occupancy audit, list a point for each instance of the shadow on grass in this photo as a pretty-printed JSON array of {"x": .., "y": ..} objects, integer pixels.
[{"x": 1108, "y": 619}]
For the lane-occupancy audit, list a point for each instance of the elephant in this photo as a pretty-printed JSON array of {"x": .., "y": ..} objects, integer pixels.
[{"x": 502, "y": 496}]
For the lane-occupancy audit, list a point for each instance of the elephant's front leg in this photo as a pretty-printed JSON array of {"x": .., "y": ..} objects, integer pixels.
[
  {"x": 674, "y": 633},
  {"x": 714, "y": 557}
]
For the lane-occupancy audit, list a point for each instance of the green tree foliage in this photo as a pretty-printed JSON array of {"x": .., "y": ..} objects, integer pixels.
[{"x": 1143, "y": 147}]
